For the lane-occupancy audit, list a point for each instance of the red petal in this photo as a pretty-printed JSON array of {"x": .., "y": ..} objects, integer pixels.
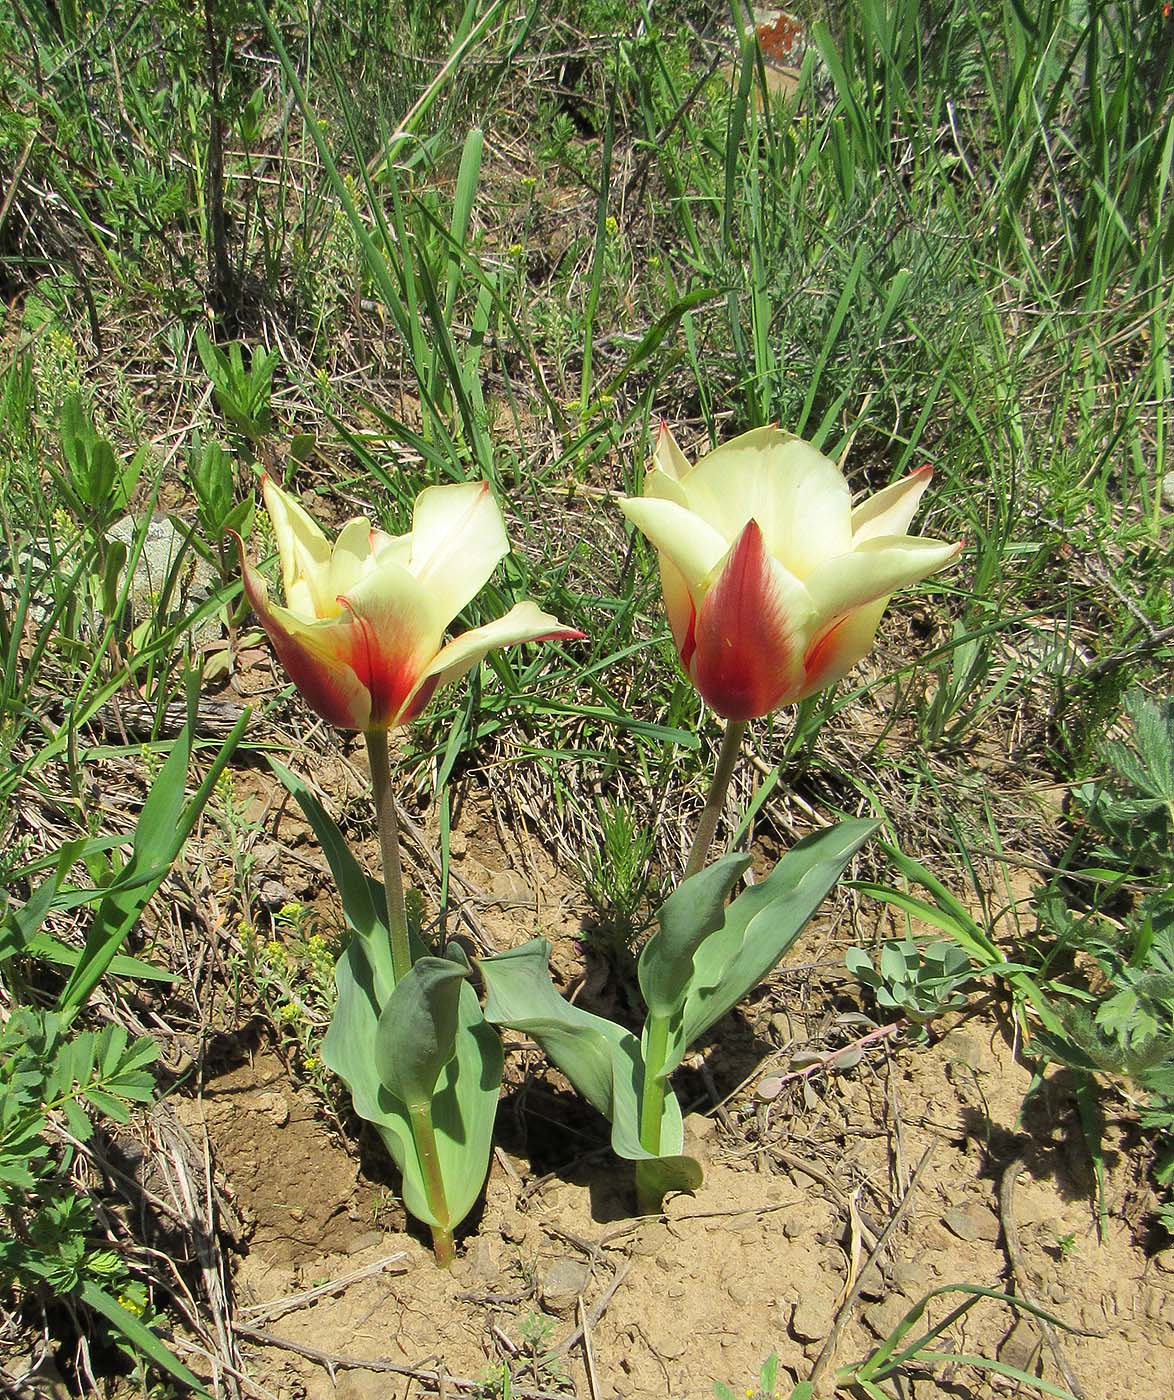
[{"x": 745, "y": 646}]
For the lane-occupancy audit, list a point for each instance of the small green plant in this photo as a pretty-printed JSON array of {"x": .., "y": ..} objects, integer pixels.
[
  {"x": 54, "y": 1082},
  {"x": 766, "y": 1389},
  {"x": 213, "y": 481},
  {"x": 918, "y": 983},
  {"x": 57, "y": 1076},
  {"x": 242, "y": 395},
  {"x": 618, "y": 877},
  {"x": 293, "y": 974},
  {"x": 1115, "y": 905}
]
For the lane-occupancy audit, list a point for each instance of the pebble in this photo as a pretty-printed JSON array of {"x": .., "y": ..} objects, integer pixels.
[
  {"x": 1019, "y": 1347},
  {"x": 367, "y": 1240},
  {"x": 973, "y": 1222},
  {"x": 883, "y": 1318},
  {"x": 912, "y": 1278},
  {"x": 652, "y": 1240},
  {"x": 562, "y": 1283},
  {"x": 962, "y": 1049},
  {"x": 793, "y": 1227},
  {"x": 513, "y": 1226},
  {"x": 697, "y": 1125},
  {"x": 1168, "y": 489},
  {"x": 812, "y": 1319}
]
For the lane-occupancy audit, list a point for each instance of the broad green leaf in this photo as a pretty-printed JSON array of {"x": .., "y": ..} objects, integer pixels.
[
  {"x": 760, "y": 926},
  {"x": 463, "y": 1107},
  {"x": 601, "y": 1059},
  {"x": 363, "y": 903},
  {"x": 693, "y": 911},
  {"x": 416, "y": 1034}
]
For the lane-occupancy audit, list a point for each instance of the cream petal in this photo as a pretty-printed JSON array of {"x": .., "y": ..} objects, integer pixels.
[
  {"x": 833, "y": 654},
  {"x": 663, "y": 487},
  {"x": 679, "y": 608},
  {"x": 402, "y": 627},
  {"x": 891, "y": 511},
  {"x": 397, "y": 547},
  {"x": 797, "y": 495},
  {"x": 317, "y": 655},
  {"x": 667, "y": 456},
  {"x": 458, "y": 539},
  {"x": 690, "y": 542},
  {"x": 304, "y": 552},
  {"x": 351, "y": 558},
  {"x": 525, "y": 622},
  {"x": 879, "y": 567}
]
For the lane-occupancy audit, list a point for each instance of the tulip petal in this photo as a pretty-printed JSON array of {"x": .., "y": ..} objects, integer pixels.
[
  {"x": 668, "y": 456},
  {"x": 304, "y": 552},
  {"x": 351, "y": 557},
  {"x": 316, "y": 655},
  {"x": 749, "y": 633},
  {"x": 398, "y": 625},
  {"x": 879, "y": 567},
  {"x": 397, "y": 547},
  {"x": 838, "y": 648},
  {"x": 797, "y": 495},
  {"x": 679, "y": 608},
  {"x": 663, "y": 487},
  {"x": 694, "y": 546},
  {"x": 525, "y": 622},
  {"x": 891, "y": 511},
  {"x": 458, "y": 538}
]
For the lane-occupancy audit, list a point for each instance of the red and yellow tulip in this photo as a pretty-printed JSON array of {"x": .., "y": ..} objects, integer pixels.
[
  {"x": 773, "y": 583},
  {"x": 362, "y": 629}
]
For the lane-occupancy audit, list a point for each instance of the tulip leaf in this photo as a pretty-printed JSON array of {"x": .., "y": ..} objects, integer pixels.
[
  {"x": 601, "y": 1059},
  {"x": 416, "y": 1034},
  {"x": 759, "y": 927},
  {"x": 363, "y": 902},
  {"x": 464, "y": 1101},
  {"x": 694, "y": 910}
]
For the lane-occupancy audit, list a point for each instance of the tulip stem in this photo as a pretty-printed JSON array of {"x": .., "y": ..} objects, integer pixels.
[
  {"x": 393, "y": 874},
  {"x": 424, "y": 1137},
  {"x": 726, "y": 758}
]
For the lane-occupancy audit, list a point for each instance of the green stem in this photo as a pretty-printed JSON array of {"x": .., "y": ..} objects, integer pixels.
[
  {"x": 424, "y": 1136},
  {"x": 648, "y": 1196},
  {"x": 726, "y": 759},
  {"x": 393, "y": 875}
]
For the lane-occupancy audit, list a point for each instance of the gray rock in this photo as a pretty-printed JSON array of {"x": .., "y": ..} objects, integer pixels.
[
  {"x": 1168, "y": 490},
  {"x": 883, "y": 1318},
  {"x": 813, "y": 1316},
  {"x": 168, "y": 568},
  {"x": 166, "y": 556},
  {"x": 563, "y": 1283},
  {"x": 973, "y": 1222}
]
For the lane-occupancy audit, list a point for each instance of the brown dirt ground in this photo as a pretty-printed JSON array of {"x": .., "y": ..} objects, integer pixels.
[{"x": 758, "y": 1261}]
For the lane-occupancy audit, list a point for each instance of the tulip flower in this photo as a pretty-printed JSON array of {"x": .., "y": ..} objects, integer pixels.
[
  {"x": 773, "y": 583},
  {"x": 362, "y": 629}
]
